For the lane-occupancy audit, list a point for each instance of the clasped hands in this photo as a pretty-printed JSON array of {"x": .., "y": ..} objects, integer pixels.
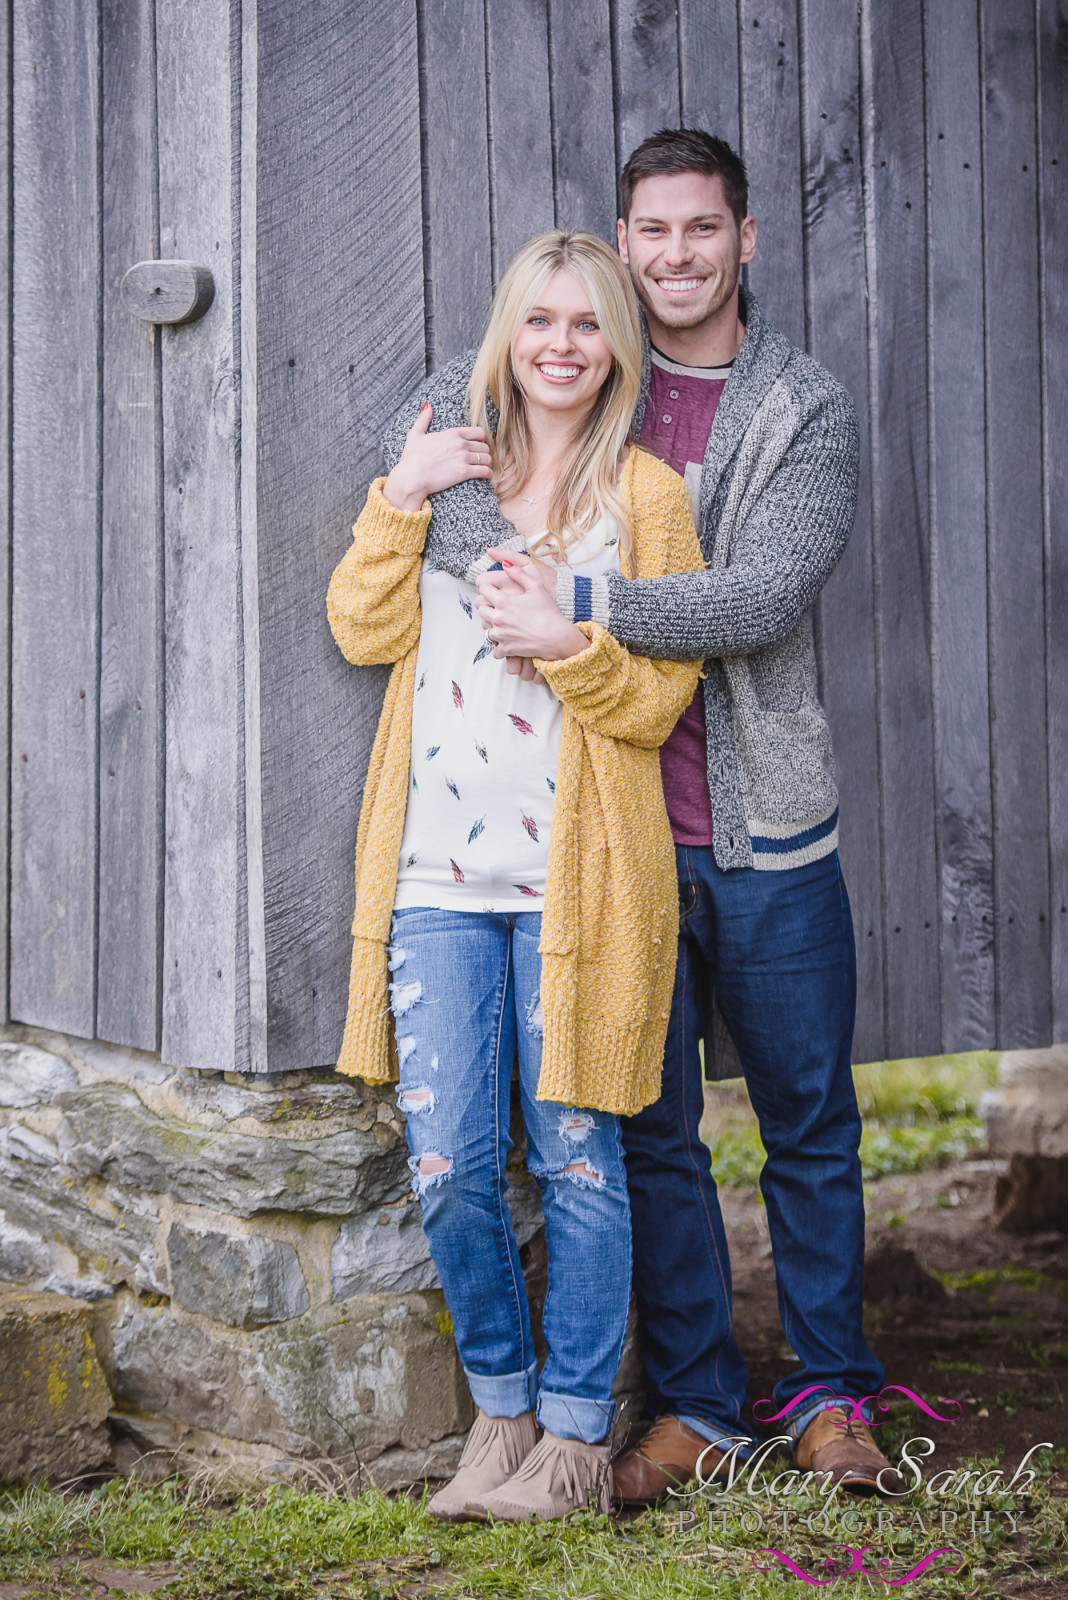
[
  {"x": 517, "y": 607},
  {"x": 516, "y": 604}
]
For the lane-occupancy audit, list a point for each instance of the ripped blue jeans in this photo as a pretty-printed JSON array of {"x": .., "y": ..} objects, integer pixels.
[{"x": 465, "y": 995}]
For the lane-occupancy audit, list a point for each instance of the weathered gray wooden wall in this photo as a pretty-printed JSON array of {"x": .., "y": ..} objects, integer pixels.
[{"x": 186, "y": 746}]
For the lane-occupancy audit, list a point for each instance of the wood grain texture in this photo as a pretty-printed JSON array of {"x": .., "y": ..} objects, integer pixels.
[
  {"x": 456, "y": 199},
  {"x": 520, "y": 123},
  {"x": 6, "y": 155},
  {"x": 833, "y": 210},
  {"x": 584, "y": 157},
  {"x": 1014, "y": 528},
  {"x": 131, "y": 612},
  {"x": 709, "y": 68},
  {"x": 958, "y": 522},
  {"x": 1053, "y": 217},
  {"x": 771, "y": 149},
  {"x": 339, "y": 342},
  {"x": 646, "y": 70},
  {"x": 55, "y": 516},
  {"x": 205, "y": 965},
  {"x": 892, "y": 65}
]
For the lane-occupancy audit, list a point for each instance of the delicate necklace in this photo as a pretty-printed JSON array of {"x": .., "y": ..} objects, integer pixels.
[{"x": 530, "y": 499}]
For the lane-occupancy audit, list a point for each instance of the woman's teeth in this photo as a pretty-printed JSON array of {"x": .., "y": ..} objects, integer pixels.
[
  {"x": 558, "y": 372},
  {"x": 678, "y": 285}
]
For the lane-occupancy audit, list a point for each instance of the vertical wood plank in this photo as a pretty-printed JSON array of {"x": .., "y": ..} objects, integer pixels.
[
  {"x": 895, "y": 186},
  {"x": 55, "y": 515},
  {"x": 584, "y": 155},
  {"x": 833, "y": 202},
  {"x": 338, "y": 341},
  {"x": 708, "y": 60},
  {"x": 1015, "y": 537},
  {"x": 771, "y": 149},
  {"x": 5, "y": 488},
  {"x": 520, "y": 123},
  {"x": 958, "y": 508},
  {"x": 131, "y": 755},
  {"x": 456, "y": 175},
  {"x": 1053, "y": 212},
  {"x": 205, "y": 968},
  {"x": 646, "y": 70}
]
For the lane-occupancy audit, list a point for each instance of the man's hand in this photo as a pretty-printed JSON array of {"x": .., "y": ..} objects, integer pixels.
[
  {"x": 521, "y": 618},
  {"x": 431, "y": 462}
]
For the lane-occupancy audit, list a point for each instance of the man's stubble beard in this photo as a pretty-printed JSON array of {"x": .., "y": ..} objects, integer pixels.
[{"x": 696, "y": 318}]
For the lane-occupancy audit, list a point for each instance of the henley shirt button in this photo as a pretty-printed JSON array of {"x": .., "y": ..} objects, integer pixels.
[
  {"x": 673, "y": 394},
  {"x": 665, "y": 418}
]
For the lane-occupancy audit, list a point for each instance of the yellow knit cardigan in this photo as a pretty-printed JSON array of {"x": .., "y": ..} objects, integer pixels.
[{"x": 610, "y": 914}]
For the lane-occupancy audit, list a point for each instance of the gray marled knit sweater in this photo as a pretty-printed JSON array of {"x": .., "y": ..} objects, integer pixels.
[{"x": 778, "y": 494}]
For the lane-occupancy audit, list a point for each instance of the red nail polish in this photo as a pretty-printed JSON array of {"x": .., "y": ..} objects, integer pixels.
[
  {"x": 507, "y": 563},
  {"x": 424, "y": 405}
]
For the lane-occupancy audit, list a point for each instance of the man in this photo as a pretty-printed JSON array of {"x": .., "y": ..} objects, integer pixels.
[{"x": 766, "y": 441}]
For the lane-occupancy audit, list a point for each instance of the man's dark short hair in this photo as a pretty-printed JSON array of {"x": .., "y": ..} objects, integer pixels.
[{"x": 675, "y": 150}]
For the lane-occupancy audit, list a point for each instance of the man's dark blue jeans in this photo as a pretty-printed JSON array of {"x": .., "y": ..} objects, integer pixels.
[{"x": 777, "y": 947}]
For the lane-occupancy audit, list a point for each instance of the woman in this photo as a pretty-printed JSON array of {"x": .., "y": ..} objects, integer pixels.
[{"x": 514, "y": 854}]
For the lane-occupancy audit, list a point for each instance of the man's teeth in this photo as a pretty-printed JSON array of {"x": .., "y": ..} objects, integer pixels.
[
  {"x": 559, "y": 372},
  {"x": 679, "y": 285}
]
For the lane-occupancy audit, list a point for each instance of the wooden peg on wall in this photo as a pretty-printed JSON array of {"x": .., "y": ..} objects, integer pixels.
[{"x": 167, "y": 291}]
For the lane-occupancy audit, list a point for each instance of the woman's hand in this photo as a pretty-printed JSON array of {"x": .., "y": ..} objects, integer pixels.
[
  {"x": 521, "y": 618},
  {"x": 544, "y": 571},
  {"x": 433, "y": 461}
]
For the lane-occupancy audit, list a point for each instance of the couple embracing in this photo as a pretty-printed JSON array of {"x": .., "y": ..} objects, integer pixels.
[{"x": 600, "y": 801}]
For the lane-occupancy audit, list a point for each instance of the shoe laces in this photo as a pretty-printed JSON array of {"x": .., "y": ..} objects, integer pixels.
[{"x": 662, "y": 1426}]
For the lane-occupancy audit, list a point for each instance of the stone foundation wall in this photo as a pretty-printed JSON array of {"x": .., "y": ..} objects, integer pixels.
[{"x": 261, "y": 1292}]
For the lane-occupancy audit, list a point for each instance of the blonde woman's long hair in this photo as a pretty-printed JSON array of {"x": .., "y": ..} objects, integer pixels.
[{"x": 587, "y": 485}]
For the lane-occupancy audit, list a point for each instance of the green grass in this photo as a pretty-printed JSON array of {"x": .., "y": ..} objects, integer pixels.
[
  {"x": 917, "y": 1114},
  {"x": 284, "y": 1544}
]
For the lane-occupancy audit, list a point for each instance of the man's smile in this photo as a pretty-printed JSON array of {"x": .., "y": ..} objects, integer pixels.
[{"x": 678, "y": 285}]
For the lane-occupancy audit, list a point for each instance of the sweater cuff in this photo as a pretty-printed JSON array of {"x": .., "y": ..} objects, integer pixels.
[
  {"x": 484, "y": 564},
  {"x": 575, "y": 674},
  {"x": 586, "y": 598},
  {"x": 403, "y": 532}
]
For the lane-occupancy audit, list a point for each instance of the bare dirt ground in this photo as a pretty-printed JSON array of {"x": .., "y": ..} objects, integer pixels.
[{"x": 999, "y": 1346}]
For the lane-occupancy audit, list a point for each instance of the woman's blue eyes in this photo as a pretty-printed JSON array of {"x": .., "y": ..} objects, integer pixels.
[{"x": 543, "y": 322}]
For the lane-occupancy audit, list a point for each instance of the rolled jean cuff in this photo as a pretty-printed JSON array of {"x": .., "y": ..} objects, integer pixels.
[
  {"x": 796, "y": 1423},
  {"x": 507, "y": 1394},
  {"x": 572, "y": 1417},
  {"x": 722, "y": 1438}
]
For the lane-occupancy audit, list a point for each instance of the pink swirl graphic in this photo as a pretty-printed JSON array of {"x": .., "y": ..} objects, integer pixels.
[
  {"x": 857, "y": 1568},
  {"x": 856, "y": 1413}
]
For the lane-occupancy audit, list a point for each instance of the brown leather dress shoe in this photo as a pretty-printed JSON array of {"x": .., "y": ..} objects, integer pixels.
[
  {"x": 844, "y": 1447},
  {"x": 665, "y": 1459}
]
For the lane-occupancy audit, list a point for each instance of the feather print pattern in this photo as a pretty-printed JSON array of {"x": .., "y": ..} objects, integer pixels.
[
  {"x": 457, "y": 696},
  {"x": 519, "y": 724},
  {"x": 456, "y": 872},
  {"x": 452, "y": 788},
  {"x": 486, "y": 650},
  {"x": 530, "y": 825},
  {"x": 552, "y": 785},
  {"x": 465, "y": 603},
  {"x": 481, "y": 748},
  {"x": 479, "y": 827},
  {"x": 535, "y": 894},
  {"x": 432, "y": 752}
]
